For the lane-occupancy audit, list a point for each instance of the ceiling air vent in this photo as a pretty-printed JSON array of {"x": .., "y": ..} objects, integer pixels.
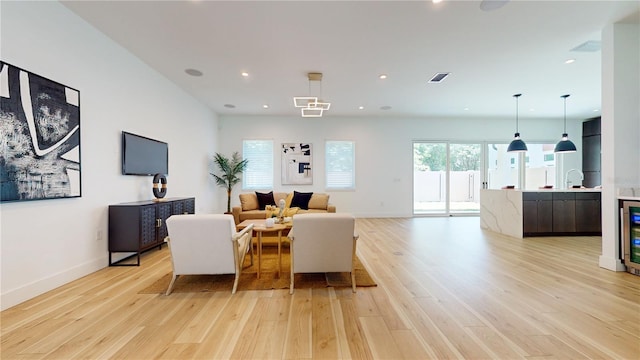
[
  {"x": 589, "y": 46},
  {"x": 438, "y": 77}
]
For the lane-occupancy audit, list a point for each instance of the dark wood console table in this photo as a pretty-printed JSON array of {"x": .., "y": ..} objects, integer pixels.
[{"x": 139, "y": 226}]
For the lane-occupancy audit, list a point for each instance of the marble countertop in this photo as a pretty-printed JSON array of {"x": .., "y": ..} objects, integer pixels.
[{"x": 629, "y": 198}]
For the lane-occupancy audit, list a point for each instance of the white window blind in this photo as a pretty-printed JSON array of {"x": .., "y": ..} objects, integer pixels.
[
  {"x": 340, "y": 165},
  {"x": 259, "y": 172}
]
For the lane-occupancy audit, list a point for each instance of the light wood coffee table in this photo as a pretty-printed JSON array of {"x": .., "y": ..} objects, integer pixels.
[{"x": 259, "y": 227}]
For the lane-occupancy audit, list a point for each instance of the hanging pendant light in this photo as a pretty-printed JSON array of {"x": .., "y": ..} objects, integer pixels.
[
  {"x": 565, "y": 145},
  {"x": 517, "y": 145},
  {"x": 312, "y": 106}
]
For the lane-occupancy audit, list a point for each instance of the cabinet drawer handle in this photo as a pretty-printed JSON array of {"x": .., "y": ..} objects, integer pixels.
[{"x": 158, "y": 222}]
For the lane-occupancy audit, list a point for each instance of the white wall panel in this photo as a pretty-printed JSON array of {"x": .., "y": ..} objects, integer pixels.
[{"x": 48, "y": 243}]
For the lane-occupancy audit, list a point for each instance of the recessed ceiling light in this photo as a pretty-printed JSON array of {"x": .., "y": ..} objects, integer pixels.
[
  {"x": 360, "y": 107},
  {"x": 466, "y": 109},
  {"x": 532, "y": 109},
  {"x": 265, "y": 106},
  {"x": 386, "y": 107},
  {"x": 382, "y": 76},
  {"x": 229, "y": 106},
  {"x": 596, "y": 110},
  {"x": 436, "y": 1},
  {"x": 244, "y": 74},
  {"x": 193, "y": 72},
  {"x": 570, "y": 61}
]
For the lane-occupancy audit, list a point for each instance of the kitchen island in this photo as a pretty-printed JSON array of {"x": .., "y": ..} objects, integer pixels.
[{"x": 545, "y": 212}]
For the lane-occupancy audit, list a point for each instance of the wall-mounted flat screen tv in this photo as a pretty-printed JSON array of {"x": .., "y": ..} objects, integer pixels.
[{"x": 144, "y": 156}]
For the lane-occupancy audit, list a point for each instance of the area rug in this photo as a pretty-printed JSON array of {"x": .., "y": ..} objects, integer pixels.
[{"x": 269, "y": 278}]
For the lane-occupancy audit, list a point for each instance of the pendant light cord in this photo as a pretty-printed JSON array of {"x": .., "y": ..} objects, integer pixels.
[
  {"x": 565, "y": 111},
  {"x": 517, "y": 129},
  {"x": 517, "y": 96}
]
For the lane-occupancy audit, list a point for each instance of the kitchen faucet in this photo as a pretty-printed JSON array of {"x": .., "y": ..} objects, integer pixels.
[{"x": 566, "y": 177}]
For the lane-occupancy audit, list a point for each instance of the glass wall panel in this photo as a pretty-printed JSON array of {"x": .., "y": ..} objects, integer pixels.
[
  {"x": 540, "y": 165},
  {"x": 502, "y": 166},
  {"x": 429, "y": 178},
  {"x": 465, "y": 178}
]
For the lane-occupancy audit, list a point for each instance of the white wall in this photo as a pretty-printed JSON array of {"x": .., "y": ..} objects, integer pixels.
[
  {"x": 48, "y": 243},
  {"x": 620, "y": 129},
  {"x": 384, "y": 169}
]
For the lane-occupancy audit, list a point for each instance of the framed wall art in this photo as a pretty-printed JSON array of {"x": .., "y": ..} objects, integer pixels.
[
  {"x": 39, "y": 137},
  {"x": 296, "y": 165}
]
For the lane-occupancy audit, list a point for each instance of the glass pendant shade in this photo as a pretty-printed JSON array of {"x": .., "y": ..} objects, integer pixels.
[
  {"x": 517, "y": 145},
  {"x": 565, "y": 145}
]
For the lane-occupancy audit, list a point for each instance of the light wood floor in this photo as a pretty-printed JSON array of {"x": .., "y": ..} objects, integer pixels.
[{"x": 447, "y": 290}]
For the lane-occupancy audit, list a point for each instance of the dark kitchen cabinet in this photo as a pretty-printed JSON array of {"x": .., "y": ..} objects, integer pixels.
[
  {"x": 591, "y": 152},
  {"x": 140, "y": 226},
  {"x": 564, "y": 212},
  {"x": 537, "y": 213},
  {"x": 588, "y": 213}
]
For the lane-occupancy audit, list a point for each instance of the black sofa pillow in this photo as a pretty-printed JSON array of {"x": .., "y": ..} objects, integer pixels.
[
  {"x": 265, "y": 199},
  {"x": 301, "y": 200}
]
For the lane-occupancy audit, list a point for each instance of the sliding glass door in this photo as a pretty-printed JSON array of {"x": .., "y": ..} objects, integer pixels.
[
  {"x": 447, "y": 178},
  {"x": 430, "y": 178}
]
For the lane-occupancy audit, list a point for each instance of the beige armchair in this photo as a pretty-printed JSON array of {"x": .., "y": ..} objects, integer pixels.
[
  {"x": 323, "y": 243},
  {"x": 207, "y": 244}
]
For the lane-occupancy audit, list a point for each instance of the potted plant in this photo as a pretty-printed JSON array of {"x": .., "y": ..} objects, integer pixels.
[{"x": 230, "y": 170}]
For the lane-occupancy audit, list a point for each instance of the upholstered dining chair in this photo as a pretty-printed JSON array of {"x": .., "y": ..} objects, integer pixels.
[
  {"x": 323, "y": 242},
  {"x": 207, "y": 244}
]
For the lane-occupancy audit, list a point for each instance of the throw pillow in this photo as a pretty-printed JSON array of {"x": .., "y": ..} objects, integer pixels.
[
  {"x": 301, "y": 200},
  {"x": 287, "y": 200},
  {"x": 319, "y": 201},
  {"x": 248, "y": 202},
  {"x": 289, "y": 212},
  {"x": 271, "y": 211},
  {"x": 265, "y": 199}
]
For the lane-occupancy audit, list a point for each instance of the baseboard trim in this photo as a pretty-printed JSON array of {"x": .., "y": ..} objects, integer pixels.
[
  {"x": 610, "y": 263},
  {"x": 26, "y": 292}
]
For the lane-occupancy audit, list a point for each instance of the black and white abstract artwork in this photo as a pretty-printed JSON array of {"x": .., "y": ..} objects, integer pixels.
[
  {"x": 39, "y": 137},
  {"x": 296, "y": 164}
]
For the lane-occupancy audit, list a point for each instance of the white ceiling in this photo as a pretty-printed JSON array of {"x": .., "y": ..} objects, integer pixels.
[{"x": 491, "y": 55}]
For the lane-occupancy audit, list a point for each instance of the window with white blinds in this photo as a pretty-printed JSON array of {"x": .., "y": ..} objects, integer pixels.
[
  {"x": 340, "y": 165},
  {"x": 259, "y": 172}
]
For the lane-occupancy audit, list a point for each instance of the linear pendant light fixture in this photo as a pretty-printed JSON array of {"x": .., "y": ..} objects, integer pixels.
[
  {"x": 517, "y": 145},
  {"x": 565, "y": 145},
  {"x": 311, "y": 106}
]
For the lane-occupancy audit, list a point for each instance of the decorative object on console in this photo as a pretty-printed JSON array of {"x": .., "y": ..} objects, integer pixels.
[
  {"x": 230, "y": 170},
  {"x": 41, "y": 121},
  {"x": 159, "y": 186},
  {"x": 296, "y": 164},
  {"x": 517, "y": 145},
  {"x": 312, "y": 106},
  {"x": 565, "y": 145}
]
